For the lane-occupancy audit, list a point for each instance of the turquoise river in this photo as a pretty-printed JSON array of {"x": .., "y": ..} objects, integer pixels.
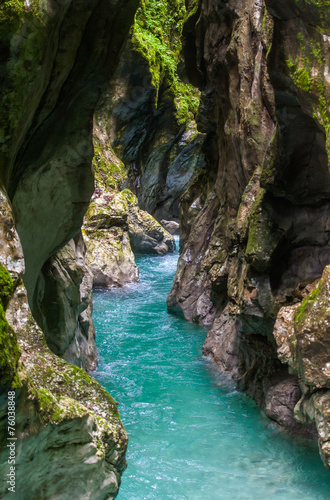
[{"x": 192, "y": 436}]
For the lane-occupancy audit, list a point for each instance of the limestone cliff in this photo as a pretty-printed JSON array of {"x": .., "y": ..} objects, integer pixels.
[
  {"x": 255, "y": 230},
  {"x": 64, "y": 419},
  {"x": 56, "y": 58},
  {"x": 115, "y": 228},
  {"x": 149, "y": 112}
]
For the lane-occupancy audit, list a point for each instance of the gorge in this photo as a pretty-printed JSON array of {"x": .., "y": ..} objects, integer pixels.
[{"x": 213, "y": 115}]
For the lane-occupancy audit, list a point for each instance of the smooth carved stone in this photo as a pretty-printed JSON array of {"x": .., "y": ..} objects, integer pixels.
[
  {"x": 66, "y": 282},
  {"x": 146, "y": 234},
  {"x": 57, "y": 60},
  {"x": 64, "y": 420}
]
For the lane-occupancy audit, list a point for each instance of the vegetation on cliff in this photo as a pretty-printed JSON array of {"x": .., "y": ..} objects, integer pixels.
[{"x": 156, "y": 34}]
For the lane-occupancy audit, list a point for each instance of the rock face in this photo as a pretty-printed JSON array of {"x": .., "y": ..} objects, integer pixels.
[
  {"x": 64, "y": 421},
  {"x": 109, "y": 252},
  {"x": 254, "y": 227},
  {"x": 55, "y": 59},
  {"x": 149, "y": 113},
  {"x": 63, "y": 306},
  {"x": 114, "y": 226},
  {"x": 303, "y": 338}
]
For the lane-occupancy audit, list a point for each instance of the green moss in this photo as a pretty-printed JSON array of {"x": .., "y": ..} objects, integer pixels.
[
  {"x": 12, "y": 10},
  {"x": 157, "y": 36},
  {"x": 130, "y": 197},
  {"x": 303, "y": 80},
  {"x": 109, "y": 171},
  {"x": 307, "y": 71},
  {"x": 9, "y": 353},
  {"x": 6, "y": 286},
  {"x": 306, "y": 305}
]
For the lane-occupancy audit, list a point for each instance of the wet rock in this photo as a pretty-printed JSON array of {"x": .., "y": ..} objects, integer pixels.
[
  {"x": 63, "y": 305},
  {"x": 146, "y": 234},
  {"x": 255, "y": 222},
  {"x": 64, "y": 419},
  {"x": 109, "y": 254},
  {"x": 171, "y": 226},
  {"x": 312, "y": 332},
  {"x": 64, "y": 299}
]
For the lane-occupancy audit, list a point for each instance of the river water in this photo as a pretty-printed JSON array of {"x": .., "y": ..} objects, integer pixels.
[{"x": 192, "y": 436}]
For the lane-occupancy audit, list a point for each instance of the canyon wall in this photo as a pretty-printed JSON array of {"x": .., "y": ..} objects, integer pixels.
[
  {"x": 255, "y": 222},
  {"x": 149, "y": 113},
  {"x": 56, "y": 58}
]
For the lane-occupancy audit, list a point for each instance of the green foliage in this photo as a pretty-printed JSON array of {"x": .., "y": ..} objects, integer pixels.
[
  {"x": 9, "y": 353},
  {"x": 306, "y": 305},
  {"x": 11, "y": 10},
  {"x": 307, "y": 71},
  {"x": 6, "y": 286},
  {"x": 157, "y": 36},
  {"x": 109, "y": 174}
]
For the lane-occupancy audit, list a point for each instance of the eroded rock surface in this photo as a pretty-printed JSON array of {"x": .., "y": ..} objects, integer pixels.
[
  {"x": 63, "y": 306},
  {"x": 255, "y": 222},
  {"x": 57, "y": 58},
  {"x": 149, "y": 113},
  {"x": 64, "y": 421},
  {"x": 115, "y": 228}
]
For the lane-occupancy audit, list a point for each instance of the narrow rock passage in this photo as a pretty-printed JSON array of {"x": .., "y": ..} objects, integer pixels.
[{"x": 191, "y": 435}]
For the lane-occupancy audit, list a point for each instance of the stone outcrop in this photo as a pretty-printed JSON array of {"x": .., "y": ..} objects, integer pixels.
[
  {"x": 105, "y": 231},
  {"x": 302, "y": 335},
  {"x": 63, "y": 305},
  {"x": 149, "y": 112},
  {"x": 115, "y": 228},
  {"x": 64, "y": 421},
  {"x": 56, "y": 58},
  {"x": 254, "y": 223}
]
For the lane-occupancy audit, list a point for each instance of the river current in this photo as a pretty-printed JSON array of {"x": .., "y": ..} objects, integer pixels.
[{"x": 192, "y": 436}]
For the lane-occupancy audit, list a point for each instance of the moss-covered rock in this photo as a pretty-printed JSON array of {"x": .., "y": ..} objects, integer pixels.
[
  {"x": 64, "y": 420},
  {"x": 254, "y": 223},
  {"x": 150, "y": 114},
  {"x": 9, "y": 354},
  {"x": 114, "y": 228},
  {"x": 313, "y": 335},
  {"x": 6, "y": 286}
]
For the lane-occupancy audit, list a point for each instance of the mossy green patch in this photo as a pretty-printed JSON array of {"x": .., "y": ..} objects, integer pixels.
[
  {"x": 307, "y": 72},
  {"x": 306, "y": 305},
  {"x": 156, "y": 35},
  {"x": 6, "y": 286},
  {"x": 130, "y": 197},
  {"x": 9, "y": 353},
  {"x": 109, "y": 171},
  {"x": 12, "y": 10}
]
